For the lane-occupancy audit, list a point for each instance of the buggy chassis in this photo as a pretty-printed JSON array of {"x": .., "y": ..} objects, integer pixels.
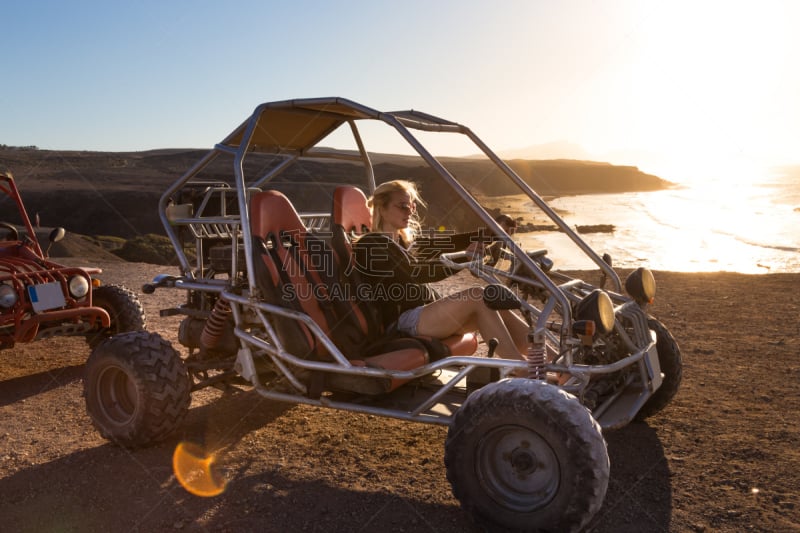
[{"x": 607, "y": 360}]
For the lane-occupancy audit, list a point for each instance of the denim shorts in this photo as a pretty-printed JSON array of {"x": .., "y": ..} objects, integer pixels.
[{"x": 408, "y": 321}]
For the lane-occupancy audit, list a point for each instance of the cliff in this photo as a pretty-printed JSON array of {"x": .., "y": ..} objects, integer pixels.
[{"x": 116, "y": 193}]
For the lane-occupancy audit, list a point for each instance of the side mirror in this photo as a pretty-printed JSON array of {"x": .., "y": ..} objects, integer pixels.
[{"x": 57, "y": 234}]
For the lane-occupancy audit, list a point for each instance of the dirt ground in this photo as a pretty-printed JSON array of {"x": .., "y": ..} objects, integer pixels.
[{"x": 724, "y": 456}]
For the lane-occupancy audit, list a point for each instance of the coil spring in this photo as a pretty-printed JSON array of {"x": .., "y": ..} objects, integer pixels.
[
  {"x": 212, "y": 333},
  {"x": 536, "y": 355}
]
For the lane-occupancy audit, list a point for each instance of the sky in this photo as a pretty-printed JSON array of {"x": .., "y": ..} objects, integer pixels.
[{"x": 707, "y": 85}]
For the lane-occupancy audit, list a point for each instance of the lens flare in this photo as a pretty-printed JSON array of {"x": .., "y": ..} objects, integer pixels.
[{"x": 195, "y": 471}]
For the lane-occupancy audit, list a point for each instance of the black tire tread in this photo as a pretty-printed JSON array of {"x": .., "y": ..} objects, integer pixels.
[
  {"x": 669, "y": 358},
  {"x": 559, "y": 411},
  {"x": 127, "y": 312},
  {"x": 161, "y": 380}
]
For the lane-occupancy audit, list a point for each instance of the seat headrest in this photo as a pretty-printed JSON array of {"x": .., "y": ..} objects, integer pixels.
[
  {"x": 271, "y": 212},
  {"x": 350, "y": 210}
]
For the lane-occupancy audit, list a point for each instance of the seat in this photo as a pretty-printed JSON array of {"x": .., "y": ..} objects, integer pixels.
[
  {"x": 350, "y": 210},
  {"x": 297, "y": 269},
  {"x": 351, "y": 217},
  {"x": 282, "y": 270}
]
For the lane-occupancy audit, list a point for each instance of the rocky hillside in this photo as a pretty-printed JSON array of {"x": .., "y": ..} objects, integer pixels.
[{"x": 105, "y": 193}]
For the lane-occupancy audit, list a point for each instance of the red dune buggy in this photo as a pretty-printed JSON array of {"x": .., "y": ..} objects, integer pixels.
[{"x": 40, "y": 298}]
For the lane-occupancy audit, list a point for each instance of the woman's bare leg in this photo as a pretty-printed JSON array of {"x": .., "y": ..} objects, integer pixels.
[
  {"x": 517, "y": 328},
  {"x": 464, "y": 312}
]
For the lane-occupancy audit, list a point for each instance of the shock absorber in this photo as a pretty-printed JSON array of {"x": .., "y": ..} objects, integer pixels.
[
  {"x": 212, "y": 333},
  {"x": 536, "y": 354}
]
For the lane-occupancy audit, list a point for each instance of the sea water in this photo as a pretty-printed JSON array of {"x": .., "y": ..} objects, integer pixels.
[{"x": 747, "y": 228}]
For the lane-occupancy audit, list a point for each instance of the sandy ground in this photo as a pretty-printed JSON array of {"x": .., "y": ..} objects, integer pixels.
[{"x": 724, "y": 456}]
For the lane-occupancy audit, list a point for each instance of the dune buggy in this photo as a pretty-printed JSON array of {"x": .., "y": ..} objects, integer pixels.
[
  {"x": 40, "y": 298},
  {"x": 263, "y": 227}
]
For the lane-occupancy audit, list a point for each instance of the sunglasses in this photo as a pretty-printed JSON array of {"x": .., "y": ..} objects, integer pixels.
[{"x": 405, "y": 206}]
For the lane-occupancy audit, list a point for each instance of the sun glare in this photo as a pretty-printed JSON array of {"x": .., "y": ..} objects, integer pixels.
[
  {"x": 712, "y": 171},
  {"x": 706, "y": 93},
  {"x": 195, "y": 471}
]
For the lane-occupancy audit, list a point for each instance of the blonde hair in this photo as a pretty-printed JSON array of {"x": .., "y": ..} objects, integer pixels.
[{"x": 381, "y": 198}]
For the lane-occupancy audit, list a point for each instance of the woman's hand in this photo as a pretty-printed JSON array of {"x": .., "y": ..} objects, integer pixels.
[
  {"x": 476, "y": 250},
  {"x": 471, "y": 259}
]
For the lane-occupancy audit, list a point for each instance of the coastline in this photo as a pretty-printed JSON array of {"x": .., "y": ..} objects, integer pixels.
[{"x": 660, "y": 230}]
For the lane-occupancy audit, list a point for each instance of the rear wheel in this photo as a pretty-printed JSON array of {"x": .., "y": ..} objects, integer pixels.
[
  {"x": 669, "y": 359},
  {"x": 124, "y": 308},
  {"x": 524, "y": 455},
  {"x": 137, "y": 389}
]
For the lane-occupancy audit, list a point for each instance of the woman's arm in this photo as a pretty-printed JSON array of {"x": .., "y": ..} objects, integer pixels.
[
  {"x": 431, "y": 245},
  {"x": 376, "y": 255}
]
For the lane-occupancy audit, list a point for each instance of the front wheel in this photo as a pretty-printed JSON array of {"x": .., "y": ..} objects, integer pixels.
[
  {"x": 124, "y": 308},
  {"x": 671, "y": 363},
  {"x": 137, "y": 389},
  {"x": 524, "y": 455}
]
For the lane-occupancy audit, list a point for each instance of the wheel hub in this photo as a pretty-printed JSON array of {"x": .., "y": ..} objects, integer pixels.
[
  {"x": 119, "y": 396},
  {"x": 518, "y": 467},
  {"x": 523, "y": 460}
]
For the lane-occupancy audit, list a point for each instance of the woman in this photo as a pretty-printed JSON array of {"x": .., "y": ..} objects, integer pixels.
[{"x": 399, "y": 272}]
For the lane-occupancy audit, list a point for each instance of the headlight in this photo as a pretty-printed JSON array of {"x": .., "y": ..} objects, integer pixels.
[
  {"x": 78, "y": 286},
  {"x": 641, "y": 286},
  {"x": 8, "y": 296},
  {"x": 597, "y": 307}
]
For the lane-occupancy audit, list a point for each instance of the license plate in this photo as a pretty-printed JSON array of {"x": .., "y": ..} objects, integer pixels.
[{"x": 46, "y": 296}]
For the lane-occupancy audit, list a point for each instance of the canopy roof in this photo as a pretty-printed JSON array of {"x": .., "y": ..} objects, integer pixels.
[{"x": 297, "y": 125}]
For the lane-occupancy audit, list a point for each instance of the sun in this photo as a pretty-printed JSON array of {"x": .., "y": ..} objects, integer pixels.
[{"x": 709, "y": 89}]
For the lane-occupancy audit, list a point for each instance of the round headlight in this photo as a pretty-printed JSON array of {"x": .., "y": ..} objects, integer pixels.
[
  {"x": 8, "y": 296},
  {"x": 641, "y": 286},
  {"x": 597, "y": 306},
  {"x": 78, "y": 286}
]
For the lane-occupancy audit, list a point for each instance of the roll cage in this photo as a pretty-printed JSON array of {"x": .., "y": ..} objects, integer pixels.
[
  {"x": 292, "y": 129},
  {"x": 206, "y": 212}
]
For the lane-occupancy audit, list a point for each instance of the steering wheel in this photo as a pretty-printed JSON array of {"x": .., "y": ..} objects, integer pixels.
[{"x": 11, "y": 229}]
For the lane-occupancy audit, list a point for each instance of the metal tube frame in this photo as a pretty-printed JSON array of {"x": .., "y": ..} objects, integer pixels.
[{"x": 271, "y": 346}]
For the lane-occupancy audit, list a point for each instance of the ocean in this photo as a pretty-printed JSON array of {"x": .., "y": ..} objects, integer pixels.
[{"x": 746, "y": 228}]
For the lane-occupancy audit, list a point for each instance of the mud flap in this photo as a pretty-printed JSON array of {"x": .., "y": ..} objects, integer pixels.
[
  {"x": 244, "y": 365},
  {"x": 653, "y": 369}
]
